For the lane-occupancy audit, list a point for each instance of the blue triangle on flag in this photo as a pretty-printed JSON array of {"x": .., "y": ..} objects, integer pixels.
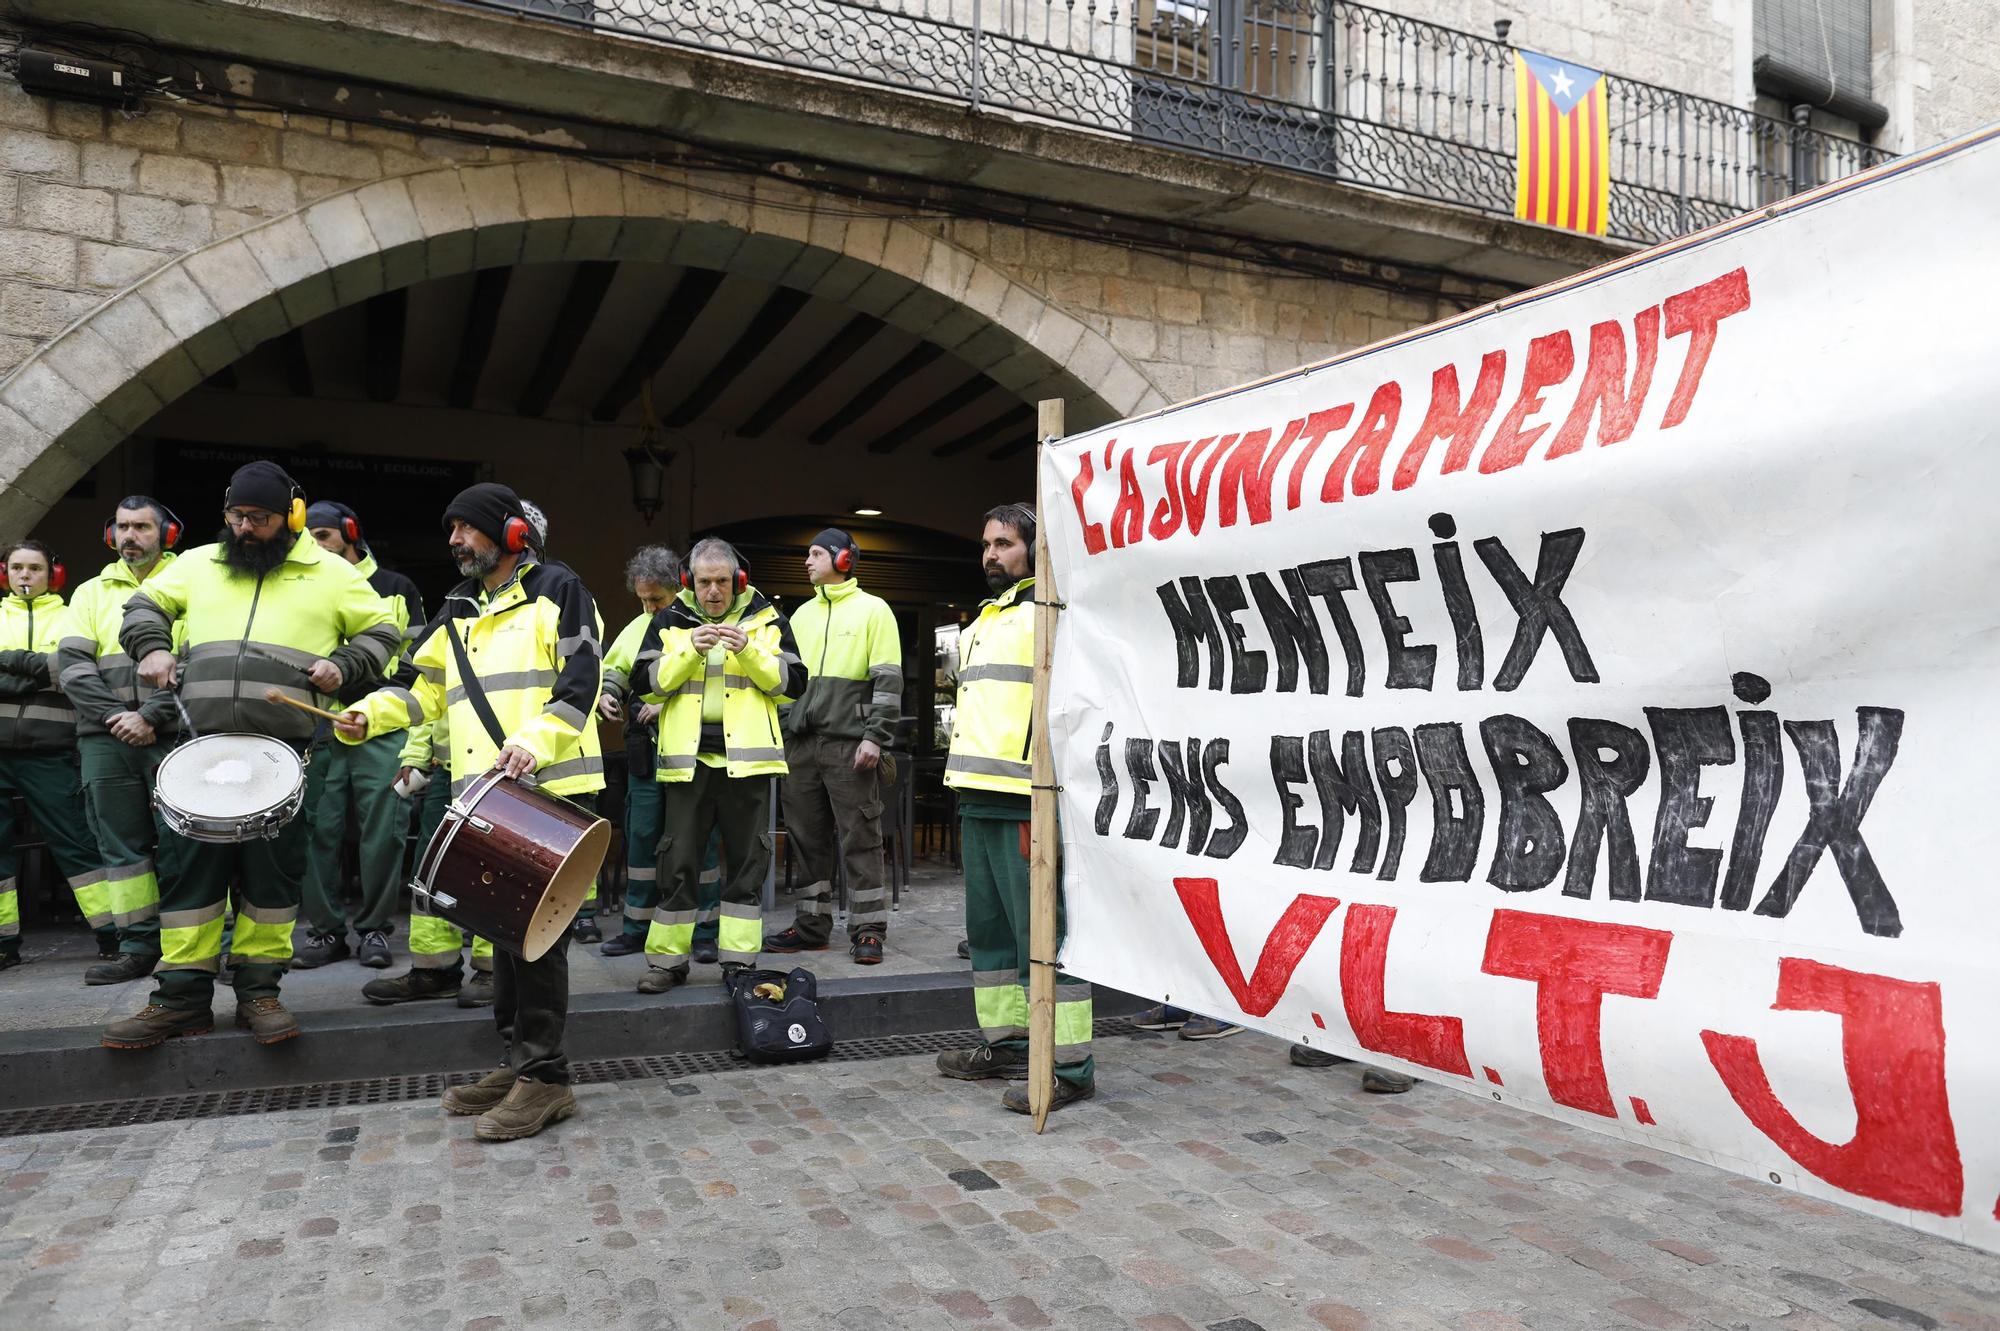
[{"x": 1565, "y": 81}]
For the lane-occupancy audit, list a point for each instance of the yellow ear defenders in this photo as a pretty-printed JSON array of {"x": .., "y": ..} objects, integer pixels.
[{"x": 295, "y": 516}]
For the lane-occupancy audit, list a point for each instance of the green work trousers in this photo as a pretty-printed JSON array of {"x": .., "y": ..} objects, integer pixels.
[
  {"x": 131, "y": 840},
  {"x": 832, "y": 809},
  {"x": 996, "y": 928},
  {"x": 642, "y": 868},
  {"x": 359, "y": 777},
  {"x": 435, "y": 943},
  {"x": 266, "y": 876},
  {"x": 692, "y": 813},
  {"x": 46, "y": 781}
]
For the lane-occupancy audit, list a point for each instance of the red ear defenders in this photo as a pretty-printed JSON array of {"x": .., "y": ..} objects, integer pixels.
[
  {"x": 170, "y": 535},
  {"x": 843, "y": 560},
  {"x": 350, "y": 527},
  {"x": 516, "y": 535},
  {"x": 742, "y": 574},
  {"x": 58, "y": 575}
]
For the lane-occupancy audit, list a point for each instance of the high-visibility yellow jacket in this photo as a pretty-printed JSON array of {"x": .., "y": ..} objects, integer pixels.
[
  {"x": 753, "y": 681},
  {"x": 994, "y": 725},
  {"x": 100, "y": 679},
  {"x": 406, "y": 608},
  {"x": 621, "y": 659},
  {"x": 854, "y": 664},
  {"x": 33, "y": 712},
  {"x": 245, "y": 635},
  {"x": 534, "y": 646}
]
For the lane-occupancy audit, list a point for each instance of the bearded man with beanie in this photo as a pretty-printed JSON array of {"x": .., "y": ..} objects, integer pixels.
[
  {"x": 834, "y": 737},
  {"x": 263, "y": 608},
  {"x": 531, "y": 638},
  {"x": 360, "y": 778}
]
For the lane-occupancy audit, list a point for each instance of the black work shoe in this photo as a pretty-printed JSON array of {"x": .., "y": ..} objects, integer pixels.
[
  {"x": 320, "y": 950},
  {"x": 1305, "y": 1056},
  {"x": 585, "y": 929},
  {"x": 791, "y": 940},
  {"x": 154, "y": 1024},
  {"x": 107, "y": 951},
  {"x": 1066, "y": 1093},
  {"x": 481, "y": 1095},
  {"x": 267, "y": 1020},
  {"x": 622, "y": 945},
  {"x": 866, "y": 950},
  {"x": 477, "y": 990},
  {"x": 730, "y": 970},
  {"x": 985, "y": 1061},
  {"x": 1382, "y": 1082},
  {"x": 659, "y": 979},
  {"x": 9, "y": 960},
  {"x": 964, "y": 950},
  {"x": 130, "y": 966},
  {"x": 374, "y": 950},
  {"x": 706, "y": 952},
  {"x": 419, "y": 982}
]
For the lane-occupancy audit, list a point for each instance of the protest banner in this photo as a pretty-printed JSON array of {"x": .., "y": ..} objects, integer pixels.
[{"x": 1588, "y": 702}]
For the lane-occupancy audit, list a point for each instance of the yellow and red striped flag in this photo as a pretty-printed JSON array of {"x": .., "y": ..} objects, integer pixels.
[{"x": 1562, "y": 160}]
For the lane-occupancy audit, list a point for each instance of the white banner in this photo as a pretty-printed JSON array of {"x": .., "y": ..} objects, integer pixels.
[{"x": 1587, "y": 703}]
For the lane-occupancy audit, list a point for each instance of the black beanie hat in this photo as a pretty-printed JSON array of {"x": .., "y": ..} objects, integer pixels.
[
  {"x": 485, "y": 508},
  {"x": 326, "y": 513},
  {"x": 833, "y": 540},
  {"x": 262, "y": 485}
]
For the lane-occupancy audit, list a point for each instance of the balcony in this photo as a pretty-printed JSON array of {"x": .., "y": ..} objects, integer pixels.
[{"x": 1337, "y": 90}]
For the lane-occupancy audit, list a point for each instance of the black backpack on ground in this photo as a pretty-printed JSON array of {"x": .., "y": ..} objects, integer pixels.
[{"x": 779, "y": 1030}]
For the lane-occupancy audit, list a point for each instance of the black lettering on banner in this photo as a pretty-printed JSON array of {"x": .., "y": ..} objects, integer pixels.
[
  {"x": 1834, "y": 820},
  {"x": 1458, "y": 604},
  {"x": 1107, "y": 784},
  {"x": 1193, "y": 628},
  {"x": 1458, "y": 809},
  {"x": 1175, "y": 775},
  {"x": 1227, "y": 840},
  {"x": 1396, "y": 775},
  {"x": 1527, "y": 765},
  {"x": 1344, "y": 788},
  {"x": 1410, "y": 665},
  {"x": 1327, "y": 579},
  {"x": 1539, "y": 606},
  {"x": 1686, "y": 740},
  {"x": 1294, "y": 629},
  {"x": 1288, "y": 769},
  {"x": 1139, "y": 767},
  {"x": 1246, "y": 668},
  {"x": 1611, "y": 763},
  {"x": 1763, "y": 782},
  {"x": 1190, "y": 787}
]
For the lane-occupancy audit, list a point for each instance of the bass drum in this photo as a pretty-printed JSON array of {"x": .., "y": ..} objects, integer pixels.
[
  {"x": 510, "y": 864},
  {"x": 229, "y": 788}
]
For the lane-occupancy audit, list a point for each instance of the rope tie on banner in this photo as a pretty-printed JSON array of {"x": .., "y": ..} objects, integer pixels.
[{"x": 1053, "y": 605}]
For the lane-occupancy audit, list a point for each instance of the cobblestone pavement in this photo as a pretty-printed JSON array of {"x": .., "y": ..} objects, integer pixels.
[{"x": 1208, "y": 1185}]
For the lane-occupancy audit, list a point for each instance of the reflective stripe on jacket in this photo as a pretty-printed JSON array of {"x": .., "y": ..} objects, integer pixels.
[
  {"x": 755, "y": 680},
  {"x": 100, "y": 679},
  {"x": 854, "y": 664},
  {"x": 34, "y": 714},
  {"x": 534, "y": 645},
  {"x": 994, "y": 724},
  {"x": 406, "y": 607}
]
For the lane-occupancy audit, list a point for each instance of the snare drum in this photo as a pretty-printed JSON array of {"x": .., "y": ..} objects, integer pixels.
[
  {"x": 510, "y": 864},
  {"x": 229, "y": 788}
]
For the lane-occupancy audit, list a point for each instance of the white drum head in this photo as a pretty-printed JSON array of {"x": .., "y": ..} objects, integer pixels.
[{"x": 229, "y": 776}]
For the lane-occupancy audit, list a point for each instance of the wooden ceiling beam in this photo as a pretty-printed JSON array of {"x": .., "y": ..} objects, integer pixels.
[
  {"x": 690, "y": 297},
  {"x": 943, "y": 409},
  {"x": 587, "y": 289},
  {"x": 855, "y": 334},
  {"x": 475, "y": 343},
  {"x": 780, "y": 308},
  {"x": 878, "y": 388}
]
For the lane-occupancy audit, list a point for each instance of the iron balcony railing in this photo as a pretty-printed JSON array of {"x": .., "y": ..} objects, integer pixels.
[{"x": 1327, "y": 87}]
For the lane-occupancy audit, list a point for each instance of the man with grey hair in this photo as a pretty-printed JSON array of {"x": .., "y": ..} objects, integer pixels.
[{"x": 653, "y": 574}]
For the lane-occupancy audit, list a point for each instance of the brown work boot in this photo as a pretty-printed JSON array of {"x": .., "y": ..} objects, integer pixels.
[
  {"x": 414, "y": 985},
  {"x": 154, "y": 1024},
  {"x": 1067, "y": 1093},
  {"x": 659, "y": 979},
  {"x": 481, "y": 1095},
  {"x": 983, "y": 1062},
  {"x": 529, "y": 1107},
  {"x": 267, "y": 1020}
]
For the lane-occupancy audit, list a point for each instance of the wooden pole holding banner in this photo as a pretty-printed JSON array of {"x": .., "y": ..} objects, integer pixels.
[{"x": 1045, "y": 850}]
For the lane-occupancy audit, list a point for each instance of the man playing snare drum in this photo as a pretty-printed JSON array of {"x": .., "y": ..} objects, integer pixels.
[
  {"x": 528, "y": 633},
  {"x": 263, "y": 609}
]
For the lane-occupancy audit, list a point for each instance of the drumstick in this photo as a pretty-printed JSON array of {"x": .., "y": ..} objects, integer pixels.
[{"x": 278, "y": 695}]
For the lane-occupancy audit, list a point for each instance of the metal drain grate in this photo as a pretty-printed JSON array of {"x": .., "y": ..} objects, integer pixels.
[{"x": 389, "y": 1090}]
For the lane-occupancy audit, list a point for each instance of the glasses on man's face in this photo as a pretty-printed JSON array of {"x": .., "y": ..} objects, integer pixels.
[{"x": 238, "y": 517}]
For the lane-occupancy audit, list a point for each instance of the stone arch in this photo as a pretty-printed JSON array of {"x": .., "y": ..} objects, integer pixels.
[{"x": 106, "y": 375}]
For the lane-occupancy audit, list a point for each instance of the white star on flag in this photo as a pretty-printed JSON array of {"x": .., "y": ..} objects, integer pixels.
[{"x": 1563, "y": 82}]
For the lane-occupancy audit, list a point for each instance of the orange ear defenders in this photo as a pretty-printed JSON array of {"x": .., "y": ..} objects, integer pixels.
[{"x": 170, "y": 532}]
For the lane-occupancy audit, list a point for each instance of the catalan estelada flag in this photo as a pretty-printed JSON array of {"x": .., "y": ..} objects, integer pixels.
[{"x": 1562, "y": 161}]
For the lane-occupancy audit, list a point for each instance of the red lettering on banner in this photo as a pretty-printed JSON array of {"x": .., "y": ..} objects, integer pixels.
[
  {"x": 1604, "y": 392},
  {"x": 1550, "y": 360},
  {"x": 1435, "y": 1042},
  {"x": 1363, "y": 452},
  {"x": 1249, "y": 472},
  {"x": 1697, "y": 313},
  {"x": 1574, "y": 964},
  {"x": 1131, "y": 508},
  {"x": 1093, "y": 534},
  {"x": 1167, "y": 513},
  {"x": 1194, "y": 497},
  {"x": 1904, "y": 1150},
  {"x": 1318, "y": 426},
  {"x": 1294, "y": 933},
  {"x": 1446, "y": 419}
]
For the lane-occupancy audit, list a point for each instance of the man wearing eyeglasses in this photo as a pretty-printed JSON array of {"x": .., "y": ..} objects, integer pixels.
[{"x": 264, "y": 608}]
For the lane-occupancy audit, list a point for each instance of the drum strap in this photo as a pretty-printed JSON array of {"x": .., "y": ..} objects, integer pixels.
[{"x": 475, "y": 692}]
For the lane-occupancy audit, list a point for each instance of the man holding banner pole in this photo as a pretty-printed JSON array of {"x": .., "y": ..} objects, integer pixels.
[{"x": 989, "y": 766}]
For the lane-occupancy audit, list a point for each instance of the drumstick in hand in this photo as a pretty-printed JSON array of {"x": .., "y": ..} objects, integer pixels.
[{"x": 278, "y": 695}]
